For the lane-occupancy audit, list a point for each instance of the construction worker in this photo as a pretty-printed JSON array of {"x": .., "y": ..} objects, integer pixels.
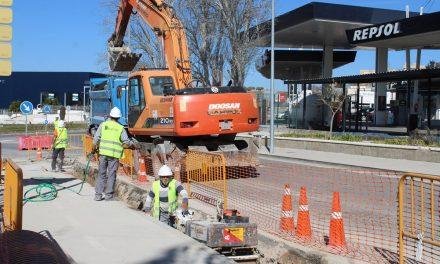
[
  {"x": 161, "y": 201},
  {"x": 55, "y": 123},
  {"x": 59, "y": 145},
  {"x": 110, "y": 139}
]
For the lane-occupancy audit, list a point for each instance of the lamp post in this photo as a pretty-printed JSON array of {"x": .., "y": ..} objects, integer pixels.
[{"x": 272, "y": 72}]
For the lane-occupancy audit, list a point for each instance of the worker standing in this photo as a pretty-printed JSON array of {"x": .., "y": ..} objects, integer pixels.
[
  {"x": 60, "y": 139},
  {"x": 162, "y": 200},
  {"x": 110, "y": 139}
]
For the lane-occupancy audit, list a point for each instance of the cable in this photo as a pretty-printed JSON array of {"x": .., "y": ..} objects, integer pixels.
[{"x": 47, "y": 191}]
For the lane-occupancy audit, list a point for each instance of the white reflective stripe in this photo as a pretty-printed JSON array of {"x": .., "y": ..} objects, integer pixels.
[
  {"x": 287, "y": 191},
  {"x": 337, "y": 215},
  {"x": 287, "y": 214},
  {"x": 303, "y": 208}
]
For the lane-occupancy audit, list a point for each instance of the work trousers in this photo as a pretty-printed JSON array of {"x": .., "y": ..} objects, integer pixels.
[
  {"x": 108, "y": 166},
  {"x": 55, "y": 153}
]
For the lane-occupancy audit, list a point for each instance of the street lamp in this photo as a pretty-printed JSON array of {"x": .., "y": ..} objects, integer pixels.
[{"x": 272, "y": 72}]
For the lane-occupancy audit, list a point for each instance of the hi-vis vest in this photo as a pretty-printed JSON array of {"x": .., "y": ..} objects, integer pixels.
[
  {"x": 172, "y": 197},
  {"x": 61, "y": 139},
  {"x": 110, "y": 144}
]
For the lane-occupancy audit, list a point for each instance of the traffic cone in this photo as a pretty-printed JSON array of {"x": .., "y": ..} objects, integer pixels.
[
  {"x": 142, "y": 172},
  {"x": 286, "y": 221},
  {"x": 337, "y": 235},
  {"x": 303, "y": 228},
  {"x": 39, "y": 154}
]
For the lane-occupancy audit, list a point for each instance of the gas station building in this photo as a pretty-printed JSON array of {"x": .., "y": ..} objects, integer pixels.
[{"x": 316, "y": 38}]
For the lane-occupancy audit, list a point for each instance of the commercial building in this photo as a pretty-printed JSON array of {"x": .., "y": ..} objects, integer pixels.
[{"x": 37, "y": 87}]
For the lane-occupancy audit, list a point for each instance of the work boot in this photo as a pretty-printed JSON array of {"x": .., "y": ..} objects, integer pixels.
[
  {"x": 109, "y": 198},
  {"x": 98, "y": 198}
]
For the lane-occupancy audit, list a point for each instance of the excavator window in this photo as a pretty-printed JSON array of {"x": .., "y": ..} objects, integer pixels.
[
  {"x": 158, "y": 84},
  {"x": 136, "y": 93}
]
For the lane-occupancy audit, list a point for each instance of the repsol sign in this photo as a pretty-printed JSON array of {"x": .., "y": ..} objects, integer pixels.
[{"x": 376, "y": 32}]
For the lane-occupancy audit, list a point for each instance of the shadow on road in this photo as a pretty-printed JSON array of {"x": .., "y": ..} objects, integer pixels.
[
  {"x": 26, "y": 246},
  {"x": 188, "y": 254}
]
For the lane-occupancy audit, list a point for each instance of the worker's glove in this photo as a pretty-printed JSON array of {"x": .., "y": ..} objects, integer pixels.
[
  {"x": 185, "y": 212},
  {"x": 135, "y": 144}
]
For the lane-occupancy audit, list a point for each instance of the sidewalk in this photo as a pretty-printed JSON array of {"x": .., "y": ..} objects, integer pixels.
[
  {"x": 105, "y": 232},
  {"x": 354, "y": 160}
]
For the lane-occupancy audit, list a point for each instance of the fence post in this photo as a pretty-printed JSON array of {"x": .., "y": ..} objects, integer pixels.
[{"x": 13, "y": 197}]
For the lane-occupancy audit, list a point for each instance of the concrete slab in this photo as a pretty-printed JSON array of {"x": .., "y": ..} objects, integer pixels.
[
  {"x": 105, "y": 232},
  {"x": 338, "y": 159}
]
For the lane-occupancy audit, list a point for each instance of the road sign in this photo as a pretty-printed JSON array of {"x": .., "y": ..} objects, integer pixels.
[
  {"x": 26, "y": 107},
  {"x": 46, "y": 122},
  {"x": 68, "y": 108},
  {"x": 47, "y": 109}
]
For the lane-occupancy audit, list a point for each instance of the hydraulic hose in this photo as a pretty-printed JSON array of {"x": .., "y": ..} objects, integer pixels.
[{"x": 47, "y": 191}]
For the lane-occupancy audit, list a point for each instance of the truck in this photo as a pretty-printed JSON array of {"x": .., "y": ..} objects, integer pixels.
[
  {"x": 106, "y": 93},
  {"x": 164, "y": 106}
]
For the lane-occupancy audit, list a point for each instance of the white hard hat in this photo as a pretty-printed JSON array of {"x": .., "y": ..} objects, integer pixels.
[
  {"x": 165, "y": 171},
  {"x": 115, "y": 112},
  {"x": 61, "y": 123}
]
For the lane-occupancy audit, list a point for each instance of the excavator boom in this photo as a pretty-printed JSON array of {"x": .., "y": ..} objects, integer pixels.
[{"x": 162, "y": 19}]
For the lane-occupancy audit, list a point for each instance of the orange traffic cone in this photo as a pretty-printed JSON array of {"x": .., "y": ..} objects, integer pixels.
[
  {"x": 303, "y": 228},
  {"x": 142, "y": 172},
  {"x": 337, "y": 235},
  {"x": 39, "y": 154},
  {"x": 286, "y": 221}
]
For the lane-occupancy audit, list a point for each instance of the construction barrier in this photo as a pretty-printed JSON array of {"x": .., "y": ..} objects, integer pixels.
[
  {"x": 127, "y": 161},
  {"x": 358, "y": 222},
  {"x": 34, "y": 142},
  {"x": 206, "y": 177},
  {"x": 87, "y": 144},
  {"x": 419, "y": 218},
  {"x": 13, "y": 197}
]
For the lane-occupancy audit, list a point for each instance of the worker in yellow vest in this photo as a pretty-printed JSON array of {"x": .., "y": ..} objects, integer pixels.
[
  {"x": 162, "y": 200},
  {"x": 59, "y": 145},
  {"x": 110, "y": 140}
]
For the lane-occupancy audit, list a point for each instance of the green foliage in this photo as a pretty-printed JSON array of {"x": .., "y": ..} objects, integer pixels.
[
  {"x": 49, "y": 101},
  {"x": 14, "y": 107},
  {"x": 425, "y": 140}
]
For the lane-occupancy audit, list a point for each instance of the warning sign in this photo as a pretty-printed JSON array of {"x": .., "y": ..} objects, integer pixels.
[{"x": 232, "y": 235}]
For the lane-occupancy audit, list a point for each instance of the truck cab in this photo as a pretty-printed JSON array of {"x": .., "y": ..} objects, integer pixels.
[{"x": 106, "y": 93}]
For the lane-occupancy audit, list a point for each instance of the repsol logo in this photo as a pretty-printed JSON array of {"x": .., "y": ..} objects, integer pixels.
[
  {"x": 377, "y": 31},
  {"x": 224, "y": 106}
]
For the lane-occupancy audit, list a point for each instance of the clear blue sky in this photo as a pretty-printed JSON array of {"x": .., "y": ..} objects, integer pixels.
[{"x": 60, "y": 35}]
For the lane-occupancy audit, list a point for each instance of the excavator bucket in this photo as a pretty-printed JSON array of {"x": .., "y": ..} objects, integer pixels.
[{"x": 121, "y": 59}]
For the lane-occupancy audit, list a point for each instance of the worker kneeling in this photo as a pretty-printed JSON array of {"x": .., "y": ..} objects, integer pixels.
[{"x": 163, "y": 197}]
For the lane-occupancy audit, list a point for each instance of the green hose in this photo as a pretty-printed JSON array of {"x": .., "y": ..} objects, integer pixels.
[{"x": 47, "y": 191}]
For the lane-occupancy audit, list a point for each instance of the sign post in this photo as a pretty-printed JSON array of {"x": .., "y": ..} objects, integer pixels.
[
  {"x": 26, "y": 108},
  {"x": 46, "y": 110}
]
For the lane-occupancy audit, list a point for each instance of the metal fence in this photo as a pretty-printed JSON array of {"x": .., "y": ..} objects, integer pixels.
[
  {"x": 13, "y": 197},
  {"x": 367, "y": 200},
  {"x": 206, "y": 177},
  {"x": 419, "y": 218}
]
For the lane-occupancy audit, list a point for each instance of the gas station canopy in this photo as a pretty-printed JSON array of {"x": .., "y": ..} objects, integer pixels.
[
  {"x": 315, "y": 25},
  {"x": 415, "y": 32}
]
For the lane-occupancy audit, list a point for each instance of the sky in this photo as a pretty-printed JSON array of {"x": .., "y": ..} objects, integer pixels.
[{"x": 61, "y": 35}]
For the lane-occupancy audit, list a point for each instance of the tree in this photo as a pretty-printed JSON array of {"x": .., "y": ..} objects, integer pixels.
[
  {"x": 238, "y": 17},
  {"x": 14, "y": 107},
  {"x": 218, "y": 36},
  {"x": 332, "y": 97},
  {"x": 433, "y": 65}
]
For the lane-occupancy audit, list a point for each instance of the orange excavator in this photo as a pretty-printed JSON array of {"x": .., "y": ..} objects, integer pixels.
[{"x": 164, "y": 105}]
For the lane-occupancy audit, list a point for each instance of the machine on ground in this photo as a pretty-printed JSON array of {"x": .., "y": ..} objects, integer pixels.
[{"x": 164, "y": 106}]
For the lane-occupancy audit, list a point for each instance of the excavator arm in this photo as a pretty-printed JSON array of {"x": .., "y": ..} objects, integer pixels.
[{"x": 169, "y": 29}]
